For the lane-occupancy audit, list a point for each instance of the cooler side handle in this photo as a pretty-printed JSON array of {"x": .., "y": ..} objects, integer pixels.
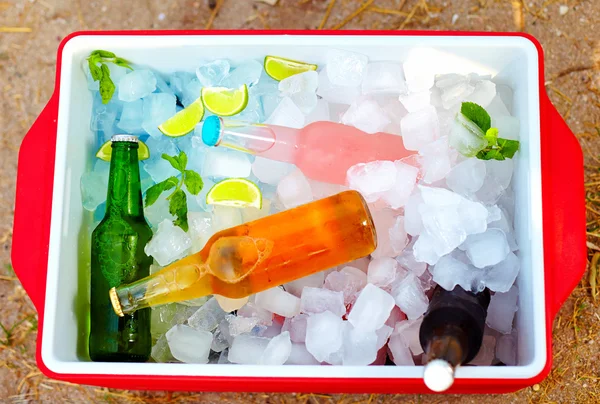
[
  {"x": 33, "y": 203},
  {"x": 563, "y": 194}
]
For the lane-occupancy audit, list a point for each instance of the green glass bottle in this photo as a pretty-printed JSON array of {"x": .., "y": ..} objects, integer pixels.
[{"x": 118, "y": 257}]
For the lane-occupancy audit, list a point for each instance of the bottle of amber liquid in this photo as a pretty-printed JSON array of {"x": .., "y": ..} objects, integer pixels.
[
  {"x": 259, "y": 255},
  {"x": 451, "y": 333}
]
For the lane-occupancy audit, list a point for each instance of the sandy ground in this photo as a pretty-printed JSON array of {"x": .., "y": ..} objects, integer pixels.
[{"x": 30, "y": 31}]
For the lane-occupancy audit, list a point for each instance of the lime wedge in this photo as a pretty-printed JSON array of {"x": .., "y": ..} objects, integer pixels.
[
  {"x": 184, "y": 121},
  {"x": 105, "y": 151},
  {"x": 280, "y": 68},
  {"x": 225, "y": 101},
  {"x": 237, "y": 192}
]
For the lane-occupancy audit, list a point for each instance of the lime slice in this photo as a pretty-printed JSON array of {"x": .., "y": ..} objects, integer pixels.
[
  {"x": 237, "y": 192},
  {"x": 105, "y": 151},
  {"x": 280, "y": 68},
  {"x": 225, "y": 101},
  {"x": 184, "y": 121}
]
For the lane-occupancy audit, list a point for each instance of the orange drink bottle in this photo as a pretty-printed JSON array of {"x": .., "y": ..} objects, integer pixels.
[{"x": 262, "y": 254}]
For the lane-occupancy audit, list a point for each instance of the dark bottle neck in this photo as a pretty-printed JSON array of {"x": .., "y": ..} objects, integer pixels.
[{"x": 124, "y": 188}]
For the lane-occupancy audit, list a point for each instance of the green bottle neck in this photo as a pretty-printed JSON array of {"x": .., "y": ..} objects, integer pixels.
[{"x": 124, "y": 189}]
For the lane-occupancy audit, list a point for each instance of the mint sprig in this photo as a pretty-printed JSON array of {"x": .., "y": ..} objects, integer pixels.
[
  {"x": 497, "y": 148},
  {"x": 177, "y": 199},
  {"x": 97, "y": 62}
]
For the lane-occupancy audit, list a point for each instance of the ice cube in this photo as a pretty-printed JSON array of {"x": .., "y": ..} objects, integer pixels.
[
  {"x": 300, "y": 356},
  {"x": 335, "y": 93},
  {"x": 319, "y": 113},
  {"x": 250, "y": 309},
  {"x": 278, "y": 350},
  {"x": 314, "y": 281},
  {"x": 407, "y": 260},
  {"x": 412, "y": 217},
  {"x": 409, "y": 333},
  {"x": 200, "y": 229},
  {"x": 406, "y": 179},
  {"x": 188, "y": 344},
  {"x": 164, "y": 317},
  {"x": 220, "y": 342},
  {"x": 382, "y": 271},
  {"x": 447, "y": 219},
  {"x": 287, "y": 114},
  {"x": 486, "y": 353},
  {"x": 297, "y": 327},
  {"x": 504, "y": 224},
  {"x": 248, "y": 73},
  {"x": 211, "y": 74},
  {"x": 94, "y": 186},
  {"x": 506, "y": 95},
  {"x": 506, "y": 349},
  {"x": 385, "y": 222},
  {"x": 372, "y": 308},
  {"x": 359, "y": 346},
  {"x": 418, "y": 75},
  {"x": 450, "y": 271},
  {"x": 400, "y": 352},
  {"x": 278, "y": 301},
  {"x": 488, "y": 248},
  {"x": 324, "y": 336},
  {"x": 323, "y": 189},
  {"x": 158, "y": 211},
  {"x": 294, "y": 190},
  {"x": 384, "y": 77},
  {"x": 168, "y": 244},
  {"x": 348, "y": 280},
  {"x": 178, "y": 81},
  {"x": 508, "y": 127},
  {"x": 318, "y": 300},
  {"x": 414, "y": 102},
  {"x": 496, "y": 181},
  {"x": 383, "y": 334},
  {"x": 240, "y": 325},
  {"x": 191, "y": 92},
  {"x": 496, "y": 108},
  {"x": 410, "y": 297},
  {"x": 484, "y": 93},
  {"x": 372, "y": 179},
  {"x": 247, "y": 349},
  {"x": 160, "y": 351},
  {"x": 436, "y": 160},
  {"x": 270, "y": 171},
  {"x": 420, "y": 128},
  {"x": 225, "y": 217},
  {"x": 346, "y": 68},
  {"x": 157, "y": 109},
  {"x": 250, "y": 213},
  {"x": 305, "y": 101},
  {"x": 464, "y": 137},
  {"x": 207, "y": 317},
  {"x": 298, "y": 83},
  {"x": 132, "y": 117},
  {"x": 229, "y": 304},
  {"x": 466, "y": 178},
  {"x": 271, "y": 331},
  {"x": 224, "y": 163},
  {"x": 136, "y": 84},
  {"x": 501, "y": 311},
  {"x": 366, "y": 115}
]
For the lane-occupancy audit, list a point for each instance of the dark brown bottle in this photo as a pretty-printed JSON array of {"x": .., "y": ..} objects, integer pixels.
[{"x": 451, "y": 333}]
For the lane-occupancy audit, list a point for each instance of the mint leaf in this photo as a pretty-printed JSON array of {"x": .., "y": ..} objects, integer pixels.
[
  {"x": 107, "y": 87},
  {"x": 182, "y": 160},
  {"x": 178, "y": 208},
  {"x": 477, "y": 114},
  {"x": 174, "y": 160},
  {"x": 508, "y": 147},
  {"x": 95, "y": 71},
  {"x": 490, "y": 154},
  {"x": 193, "y": 182},
  {"x": 155, "y": 190},
  {"x": 103, "y": 53},
  {"x": 123, "y": 63}
]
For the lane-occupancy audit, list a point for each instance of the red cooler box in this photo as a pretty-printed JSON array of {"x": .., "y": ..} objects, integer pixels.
[{"x": 51, "y": 244}]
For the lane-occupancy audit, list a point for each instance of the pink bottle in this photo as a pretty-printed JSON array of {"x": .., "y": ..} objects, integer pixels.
[{"x": 323, "y": 151}]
